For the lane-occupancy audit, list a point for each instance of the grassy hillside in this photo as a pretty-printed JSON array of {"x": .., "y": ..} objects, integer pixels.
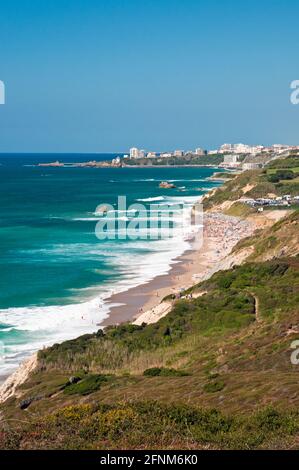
[
  {"x": 214, "y": 365},
  {"x": 279, "y": 177},
  {"x": 282, "y": 239},
  {"x": 191, "y": 159},
  {"x": 214, "y": 373},
  {"x": 233, "y": 189},
  {"x": 154, "y": 425}
]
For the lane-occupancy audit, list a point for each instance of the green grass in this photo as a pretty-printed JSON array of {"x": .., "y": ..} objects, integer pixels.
[
  {"x": 227, "y": 306},
  {"x": 282, "y": 237},
  {"x": 215, "y": 386},
  {"x": 263, "y": 183},
  {"x": 273, "y": 171},
  {"x": 209, "y": 364},
  {"x": 295, "y": 180},
  {"x": 152, "y": 425},
  {"x": 284, "y": 163},
  {"x": 232, "y": 189},
  {"x": 164, "y": 372},
  {"x": 238, "y": 209},
  {"x": 86, "y": 385}
]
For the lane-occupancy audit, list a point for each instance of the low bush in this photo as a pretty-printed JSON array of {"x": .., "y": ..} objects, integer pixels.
[
  {"x": 152, "y": 424},
  {"x": 87, "y": 385},
  {"x": 164, "y": 372},
  {"x": 212, "y": 387}
]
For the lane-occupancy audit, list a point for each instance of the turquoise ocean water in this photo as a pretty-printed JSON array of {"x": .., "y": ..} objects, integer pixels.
[{"x": 55, "y": 274}]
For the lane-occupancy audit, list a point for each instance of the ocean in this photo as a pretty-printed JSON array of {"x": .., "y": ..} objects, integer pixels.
[{"x": 55, "y": 274}]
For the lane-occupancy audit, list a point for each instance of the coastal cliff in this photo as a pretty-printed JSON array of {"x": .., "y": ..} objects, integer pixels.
[
  {"x": 208, "y": 368},
  {"x": 15, "y": 380}
]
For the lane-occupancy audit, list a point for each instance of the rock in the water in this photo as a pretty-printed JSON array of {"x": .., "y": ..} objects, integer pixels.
[{"x": 166, "y": 184}]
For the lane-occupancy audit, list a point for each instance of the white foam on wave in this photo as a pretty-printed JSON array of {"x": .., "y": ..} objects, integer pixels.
[
  {"x": 182, "y": 199},
  {"x": 144, "y": 180},
  {"x": 150, "y": 199},
  {"x": 138, "y": 261},
  {"x": 95, "y": 219},
  {"x": 46, "y": 325},
  {"x": 115, "y": 211},
  {"x": 187, "y": 180}
]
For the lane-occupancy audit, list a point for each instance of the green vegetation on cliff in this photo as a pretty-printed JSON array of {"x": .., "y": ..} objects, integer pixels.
[
  {"x": 204, "y": 160},
  {"x": 214, "y": 373},
  {"x": 135, "y": 425},
  {"x": 280, "y": 177},
  {"x": 226, "y": 350},
  {"x": 282, "y": 239}
]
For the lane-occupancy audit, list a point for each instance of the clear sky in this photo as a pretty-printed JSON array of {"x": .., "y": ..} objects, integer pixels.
[{"x": 105, "y": 75}]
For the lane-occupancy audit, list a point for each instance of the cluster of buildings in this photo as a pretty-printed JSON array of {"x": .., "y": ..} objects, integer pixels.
[
  {"x": 231, "y": 152},
  {"x": 260, "y": 203},
  {"x": 239, "y": 161},
  {"x": 245, "y": 157},
  {"x": 235, "y": 156},
  {"x": 251, "y": 149},
  {"x": 137, "y": 153}
]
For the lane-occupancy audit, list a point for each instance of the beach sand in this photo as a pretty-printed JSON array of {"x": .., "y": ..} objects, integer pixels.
[{"x": 143, "y": 303}]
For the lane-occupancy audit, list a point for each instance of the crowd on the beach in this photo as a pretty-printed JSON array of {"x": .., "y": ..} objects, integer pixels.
[{"x": 225, "y": 231}]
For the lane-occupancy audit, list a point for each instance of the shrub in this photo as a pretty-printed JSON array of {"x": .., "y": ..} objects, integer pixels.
[
  {"x": 70, "y": 415},
  {"x": 109, "y": 424},
  {"x": 212, "y": 387},
  {"x": 164, "y": 372},
  {"x": 86, "y": 386},
  {"x": 272, "y": 420},
  {"x": 290, "y": 162},
  {"x": 281, "y": 175},
  {"x": 226, "y": 280},
  {"x": 152, "y": 424}
]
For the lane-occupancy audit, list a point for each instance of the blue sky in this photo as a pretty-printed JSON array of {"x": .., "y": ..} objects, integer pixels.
[{"x": 104, "y": 75}]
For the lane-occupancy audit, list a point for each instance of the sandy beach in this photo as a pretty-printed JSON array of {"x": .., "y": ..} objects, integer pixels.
[{"x": 143, "y": 303}]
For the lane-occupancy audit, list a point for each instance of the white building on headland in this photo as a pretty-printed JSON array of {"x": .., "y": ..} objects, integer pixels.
[
  {"x": 241, "y": 148},
  {"x": 279, "y": 148},
  {"x": 226, "y": 148},
  {"x": 136, "y": 153},
  {"x": 115, "y": 161},
  {"x": 178, "y": 153},
  {"x": 231, "y": 161},
  {"x": 199, "y": 151}
]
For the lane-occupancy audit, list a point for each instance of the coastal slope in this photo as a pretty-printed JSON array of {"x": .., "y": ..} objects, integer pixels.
[{"x": 218, "y": 370}]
